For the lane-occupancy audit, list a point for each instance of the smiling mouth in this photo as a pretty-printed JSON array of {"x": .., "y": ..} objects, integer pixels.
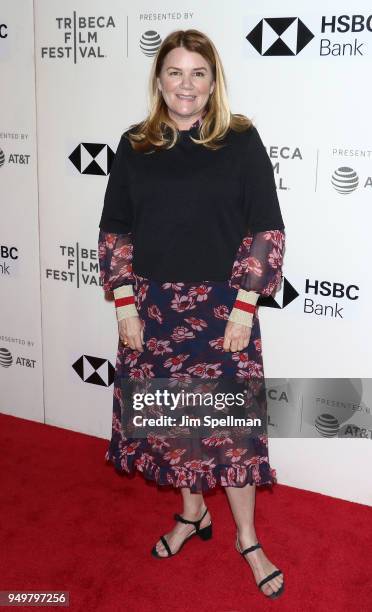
[{"x": 184, "y": 97}]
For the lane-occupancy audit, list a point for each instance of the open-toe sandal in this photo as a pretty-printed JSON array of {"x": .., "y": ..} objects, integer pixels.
[
  {"x": 205, "y": 534},
  {"x": 275, "y": 573}
]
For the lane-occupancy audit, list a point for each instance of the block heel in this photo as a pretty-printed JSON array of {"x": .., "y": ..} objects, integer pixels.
[{"x": 206, "y": 532}]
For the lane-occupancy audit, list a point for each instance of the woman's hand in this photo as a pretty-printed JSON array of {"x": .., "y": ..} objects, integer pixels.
[
  {"x": 236, "y": 336},
  {"x": 131, "y": 331}
]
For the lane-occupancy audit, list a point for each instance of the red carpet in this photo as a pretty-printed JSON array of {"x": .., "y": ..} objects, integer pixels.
[{"x": 69, "y": 522}]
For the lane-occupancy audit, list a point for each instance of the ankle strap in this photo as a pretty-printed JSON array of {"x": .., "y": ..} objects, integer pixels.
[
  {"x": 180, "y": 518},
  {"x": 247, "y": 550}
]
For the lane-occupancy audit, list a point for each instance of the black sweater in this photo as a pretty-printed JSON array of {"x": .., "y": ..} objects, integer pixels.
[{"x": 188, "y": 208}]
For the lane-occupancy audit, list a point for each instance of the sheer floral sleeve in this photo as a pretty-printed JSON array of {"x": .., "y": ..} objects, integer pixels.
[
  {"x": 257, "y": 270},
  {"x": 115, "y": 255}
]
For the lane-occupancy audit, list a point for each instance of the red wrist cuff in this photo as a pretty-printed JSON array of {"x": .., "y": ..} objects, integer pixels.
[
  {"x": 244, "y": 306},
  {"x": 125, "y": 304},
  {"x": 124, "y": 301}
]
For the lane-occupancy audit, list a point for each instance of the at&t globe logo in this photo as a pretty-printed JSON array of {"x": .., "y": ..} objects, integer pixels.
[{"x": 345, "y": 180}]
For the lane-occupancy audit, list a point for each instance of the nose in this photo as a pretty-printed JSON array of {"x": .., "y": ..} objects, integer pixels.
[{"x": 187, "y": 82}]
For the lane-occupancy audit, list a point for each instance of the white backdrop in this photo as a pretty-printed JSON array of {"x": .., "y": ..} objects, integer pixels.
[
  {"x": 21, "y": 379},
  {"x": 90, "y": 62}
]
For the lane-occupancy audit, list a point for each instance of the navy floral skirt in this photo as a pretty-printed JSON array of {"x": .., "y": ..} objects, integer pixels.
[{"x": 183, "y": 339}]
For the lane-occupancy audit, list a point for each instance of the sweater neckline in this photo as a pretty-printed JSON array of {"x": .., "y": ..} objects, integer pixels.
[{"x": 194, "y": 126}]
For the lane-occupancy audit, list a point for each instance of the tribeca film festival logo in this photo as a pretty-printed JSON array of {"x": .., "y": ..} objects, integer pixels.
[
  {"x": 277, "y": 154},
  {"x": 345, "y": 35},
  {"x": 81, "y": 266},
  {"x": 7, "y": 360},
  {"x": 79, "y": 38},
  {"x": 92, "y": 158}
]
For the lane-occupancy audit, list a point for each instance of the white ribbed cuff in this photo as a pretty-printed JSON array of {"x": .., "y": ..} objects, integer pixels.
[
  {"x": 125, "y": 303},
  {"x": 244, "y": 307}
]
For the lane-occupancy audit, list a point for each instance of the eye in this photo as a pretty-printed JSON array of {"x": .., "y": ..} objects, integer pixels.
[
  {"x": 174, "y": 72},
  {"x": 201, "y": 73}
]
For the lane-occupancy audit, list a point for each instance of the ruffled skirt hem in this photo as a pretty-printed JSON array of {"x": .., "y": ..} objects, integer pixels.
[{"x": 197, "y": 481}]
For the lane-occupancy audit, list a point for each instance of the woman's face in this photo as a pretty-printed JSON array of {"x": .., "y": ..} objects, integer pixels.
[{"x": 186, "y": 82}]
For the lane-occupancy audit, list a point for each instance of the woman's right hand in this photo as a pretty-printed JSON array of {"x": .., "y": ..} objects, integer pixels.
[{"x": 131, "y": 331}]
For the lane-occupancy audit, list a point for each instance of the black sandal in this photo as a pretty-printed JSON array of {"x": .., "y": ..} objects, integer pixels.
[
  {"x": 204, "y": 534},
  {"x": 267, "y": 578}
]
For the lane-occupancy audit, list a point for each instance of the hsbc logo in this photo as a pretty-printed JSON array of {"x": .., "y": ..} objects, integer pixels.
[
  {"x": 280, "y": 36},
  {"x": 334, "y": 36},
  {"x": 94, "y": 370},
  {"x": 92, "y": 158},
  {"x": 284, "y": 296}
]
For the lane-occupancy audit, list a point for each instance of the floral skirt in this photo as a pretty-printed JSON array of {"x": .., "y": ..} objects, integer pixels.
[{"x": 184, "y": 326}]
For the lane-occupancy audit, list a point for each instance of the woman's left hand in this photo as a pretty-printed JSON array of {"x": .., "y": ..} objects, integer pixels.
[{"x": 236, "y": 336}]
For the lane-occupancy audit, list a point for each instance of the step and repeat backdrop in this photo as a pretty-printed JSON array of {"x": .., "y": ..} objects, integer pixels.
[{"x": 75, "y": 76}]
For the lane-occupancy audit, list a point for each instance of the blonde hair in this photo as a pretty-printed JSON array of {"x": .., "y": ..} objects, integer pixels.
[{"x": 150, "y": 133}]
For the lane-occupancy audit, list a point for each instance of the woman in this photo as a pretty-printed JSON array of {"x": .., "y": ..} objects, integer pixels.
[{"x": 191, "y": 234}]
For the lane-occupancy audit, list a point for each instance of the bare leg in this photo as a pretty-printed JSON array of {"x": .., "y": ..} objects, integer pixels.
[
  {"x": 242, "y": 503},
  {"x": 193, "y": 508}
]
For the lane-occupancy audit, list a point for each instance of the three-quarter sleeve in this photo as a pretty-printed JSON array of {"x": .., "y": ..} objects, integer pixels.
[
  {"x": 117, "y": 212},
  {"x": 257, "y": 269},
  {"x": 115, "y": 245},
  {"x": 261, "y": 204}
]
